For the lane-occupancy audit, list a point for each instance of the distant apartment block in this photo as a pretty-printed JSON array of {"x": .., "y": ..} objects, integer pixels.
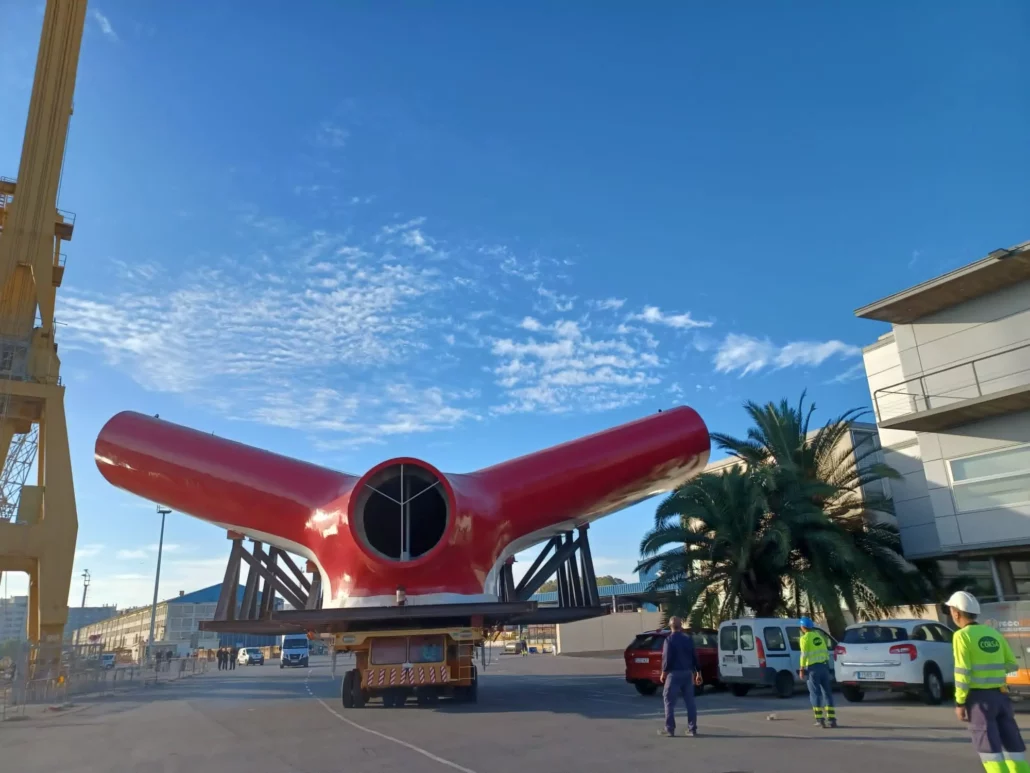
[
  {"x": 14, "y": 618},
  {"x": 950, "y": 385},
  {"x": 79, "y": 617}
]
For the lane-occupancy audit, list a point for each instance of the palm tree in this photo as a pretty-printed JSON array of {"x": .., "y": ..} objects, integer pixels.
[
  {"x": 866, "y": 568},
  {"x": 718, "y": 540}
]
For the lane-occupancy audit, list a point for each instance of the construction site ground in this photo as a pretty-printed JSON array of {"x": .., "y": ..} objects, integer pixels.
[{"x": 538, "y": 713}]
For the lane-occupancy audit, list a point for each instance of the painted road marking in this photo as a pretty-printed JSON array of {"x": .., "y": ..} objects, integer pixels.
[{"x": 384, "y": 736}]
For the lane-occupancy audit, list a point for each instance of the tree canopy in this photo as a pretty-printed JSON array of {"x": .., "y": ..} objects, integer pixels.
[{"x": 800, "y": 524}]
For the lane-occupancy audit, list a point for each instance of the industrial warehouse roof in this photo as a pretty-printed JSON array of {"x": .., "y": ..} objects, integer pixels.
[
  {"x": 608, "y": 591},
  {"x": 207, "y": 595}
]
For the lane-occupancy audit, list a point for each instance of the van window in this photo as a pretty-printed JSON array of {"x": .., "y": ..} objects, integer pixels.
[
  {"x": 728, "y": 638},
  {"x": 774, "y": 641},
  {"x": 747, "y": 638},
  {"x": 794, "y": 637}
]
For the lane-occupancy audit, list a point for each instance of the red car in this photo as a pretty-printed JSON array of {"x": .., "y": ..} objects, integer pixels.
[{"x": 644, "y": 659}]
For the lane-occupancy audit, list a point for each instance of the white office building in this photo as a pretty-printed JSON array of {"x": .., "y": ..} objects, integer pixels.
[{"x": 950, "y": 383}]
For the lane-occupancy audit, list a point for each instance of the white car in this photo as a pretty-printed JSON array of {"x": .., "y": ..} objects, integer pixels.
[{"x": 911, "y": 656}]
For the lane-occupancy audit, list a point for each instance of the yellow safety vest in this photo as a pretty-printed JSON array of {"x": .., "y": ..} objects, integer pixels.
[
  {"x": 982, "y": 659},
  {"x": 814, "y": 649}
]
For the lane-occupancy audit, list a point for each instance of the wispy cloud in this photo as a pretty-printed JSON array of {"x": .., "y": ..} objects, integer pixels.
[
  {"x": 854, "y": 373},
  {"x": 748, "y": 354},
  {"x": 608, "y": 304},
  {"x": 132, "y": 555},
  {"x": 263, "y": 345},
  {"x": 89, "y": 551},
  {"x": 330, "y": 135},
  {"x": 655, "y": 316},
  {"x": 567, "y": 369},
  {"x": 105, "y": 25}
]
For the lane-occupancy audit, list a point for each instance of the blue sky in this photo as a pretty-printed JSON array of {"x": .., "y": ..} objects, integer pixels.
[{"x": 350, "y": 231}]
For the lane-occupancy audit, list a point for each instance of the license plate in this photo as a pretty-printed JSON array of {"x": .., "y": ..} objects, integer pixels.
[
  {"x": 870, "y": 675},
  {"x": 642, "y": 660},
  {"x": 729, "y": 658}
]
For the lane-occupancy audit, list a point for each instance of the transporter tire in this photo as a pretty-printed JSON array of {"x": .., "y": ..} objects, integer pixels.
[{"x": 347, "y": 693}]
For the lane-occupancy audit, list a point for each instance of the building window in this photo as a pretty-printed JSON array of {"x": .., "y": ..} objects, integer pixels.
[{"x": 995, "y": 479}]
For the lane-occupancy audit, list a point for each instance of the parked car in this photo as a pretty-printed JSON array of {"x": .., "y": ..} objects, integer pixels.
[
  {"x": 644, "y": 659},
  {"x": 912, "y": 656},
  {"x": 762, "y": 652},
  {"x": 107, "y": 660},
  {"x": 250, "y": 656}
]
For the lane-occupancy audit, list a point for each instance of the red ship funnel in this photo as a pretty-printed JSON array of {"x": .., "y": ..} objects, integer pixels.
[{"x": 442, "y": 537}]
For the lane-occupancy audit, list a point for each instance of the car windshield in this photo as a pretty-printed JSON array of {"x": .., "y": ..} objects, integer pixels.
[
  {"x": 875, "y": 634},
  {"x": 647, "y": 641},
  {"x": 705, "y": 639},
  {"x": 254, "y": 653},
  {"x": 295, "y": 644}
]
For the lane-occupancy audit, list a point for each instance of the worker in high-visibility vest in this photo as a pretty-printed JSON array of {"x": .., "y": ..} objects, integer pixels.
[
  {"x": 982, "y": 660},
  {"x": 815, "y": 669}
]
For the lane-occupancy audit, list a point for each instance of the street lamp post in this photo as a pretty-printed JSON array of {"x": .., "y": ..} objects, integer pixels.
[{"x": 162, "y": 511}]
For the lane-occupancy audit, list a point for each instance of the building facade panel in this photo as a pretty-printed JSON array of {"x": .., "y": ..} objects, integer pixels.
[
  {"x": 920, "y": 540},
  {"x": 966, "y": 357}
]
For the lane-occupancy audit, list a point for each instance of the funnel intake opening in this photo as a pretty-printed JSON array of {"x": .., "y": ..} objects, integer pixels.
[{"x": 401, "y": 512}]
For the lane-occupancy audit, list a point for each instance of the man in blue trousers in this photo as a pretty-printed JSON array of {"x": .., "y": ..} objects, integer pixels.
[{"x": 679, "y": 668}]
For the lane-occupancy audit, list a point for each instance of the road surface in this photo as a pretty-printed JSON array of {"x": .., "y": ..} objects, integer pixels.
[{"x": 536, "y": 715}]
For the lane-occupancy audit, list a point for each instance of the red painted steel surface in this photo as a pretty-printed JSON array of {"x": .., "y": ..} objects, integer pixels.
[{"x": 309, "y": 510}]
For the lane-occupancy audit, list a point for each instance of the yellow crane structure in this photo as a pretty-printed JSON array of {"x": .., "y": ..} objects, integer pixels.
[{"x": 38, "y": 522}]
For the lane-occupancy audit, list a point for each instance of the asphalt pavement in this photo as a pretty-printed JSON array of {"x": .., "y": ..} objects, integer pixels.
[{"x": 535, "y": 714}]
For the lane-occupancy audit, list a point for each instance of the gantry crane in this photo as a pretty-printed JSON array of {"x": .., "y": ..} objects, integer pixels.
[{"x": 38, "y": 522}]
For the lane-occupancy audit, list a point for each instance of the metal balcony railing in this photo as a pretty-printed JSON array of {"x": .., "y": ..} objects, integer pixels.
[{"x": 955, "y": 384}]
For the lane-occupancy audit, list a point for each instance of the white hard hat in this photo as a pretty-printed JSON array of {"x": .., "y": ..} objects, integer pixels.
[{"x": 964, "y": 602}]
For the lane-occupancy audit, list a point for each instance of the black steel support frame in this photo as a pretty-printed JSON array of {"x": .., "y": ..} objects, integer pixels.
[
  {"x": 572, "y": 564},
  {"x": 265, "y": 578},
  {"x": 570, "y": 561}
]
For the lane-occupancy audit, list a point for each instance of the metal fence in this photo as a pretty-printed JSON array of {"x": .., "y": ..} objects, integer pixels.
[{"x": 54, "y": 675}]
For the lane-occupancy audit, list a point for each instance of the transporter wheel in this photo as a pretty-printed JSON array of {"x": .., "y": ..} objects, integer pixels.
[
  {"x": 427, "y": 698},
  {"x": 469, "y": 693},
  {"x": 347, "y": 693},
  {"x": 360, "y": 696}
]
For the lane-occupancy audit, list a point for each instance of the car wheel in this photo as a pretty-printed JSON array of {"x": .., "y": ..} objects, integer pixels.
[
  {"x": 784, "y": 684},
  {"x": 933, "y": 686},
  {"x": 645, "y": 688},
  {"x": 852, "y": 694},
  {"x": 740, "y": 690}
]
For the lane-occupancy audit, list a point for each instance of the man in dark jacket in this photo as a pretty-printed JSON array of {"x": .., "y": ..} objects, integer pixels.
[{"x": 679, "y": 667}]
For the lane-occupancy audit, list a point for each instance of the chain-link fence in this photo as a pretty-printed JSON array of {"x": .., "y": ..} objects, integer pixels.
[{"x": 53, "y": 675}]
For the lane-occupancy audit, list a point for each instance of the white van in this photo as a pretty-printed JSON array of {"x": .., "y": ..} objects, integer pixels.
[{"x": 762, "y": 652}]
